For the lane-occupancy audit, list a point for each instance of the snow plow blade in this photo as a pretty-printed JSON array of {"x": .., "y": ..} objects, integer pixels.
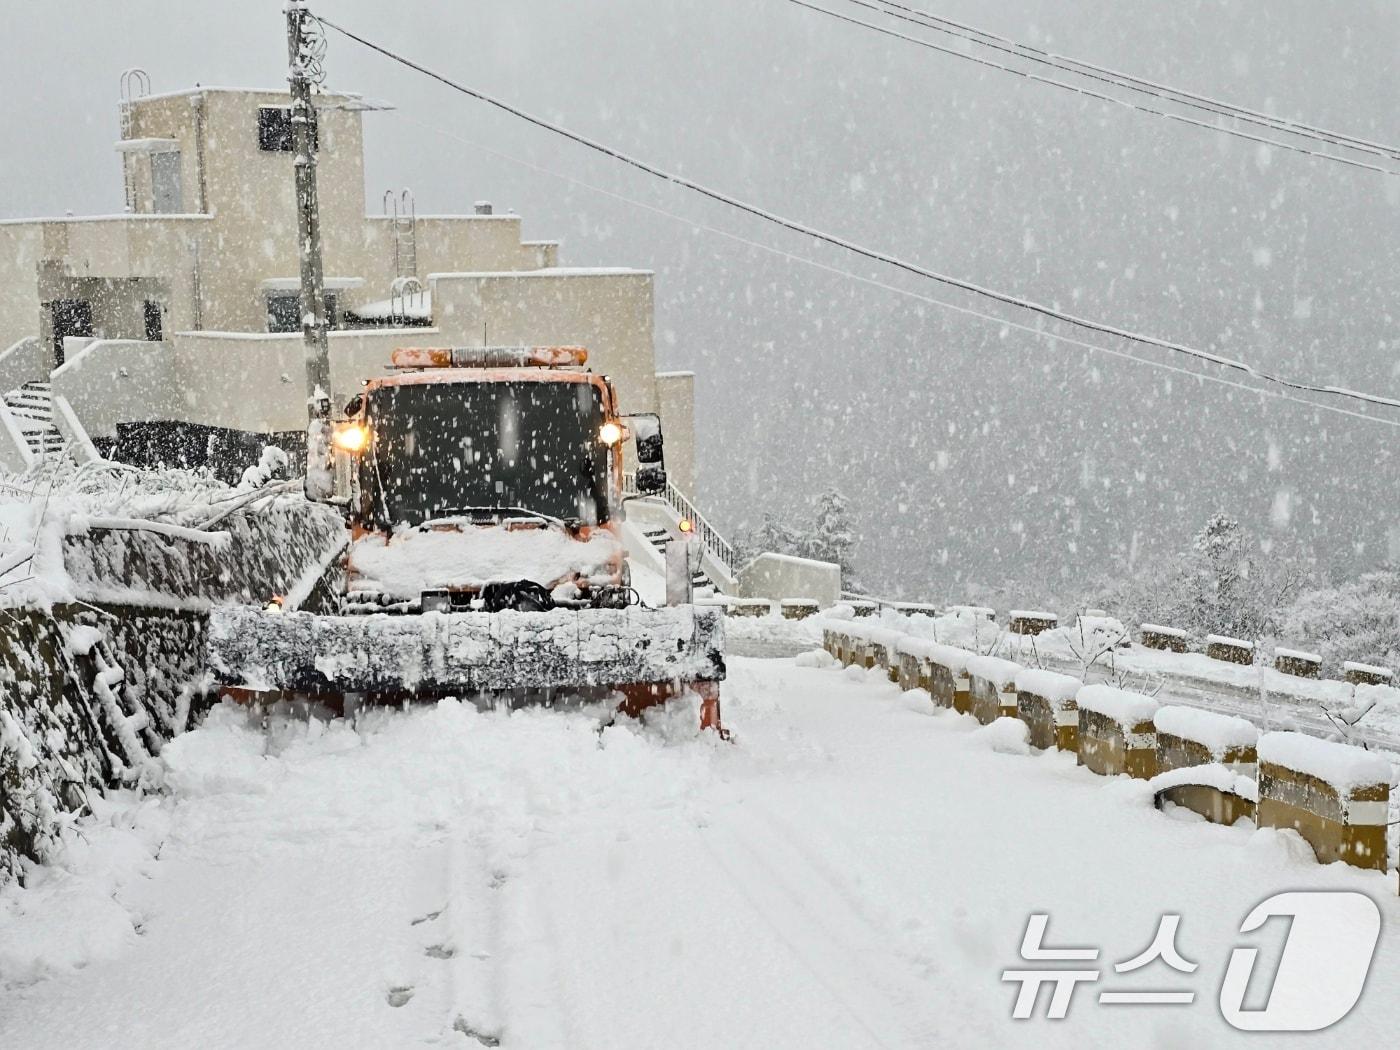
[{"x": 648, "y": 655}]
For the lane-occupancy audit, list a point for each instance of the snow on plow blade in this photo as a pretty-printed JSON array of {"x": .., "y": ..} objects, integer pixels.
[{"x": 438, "y": 654}]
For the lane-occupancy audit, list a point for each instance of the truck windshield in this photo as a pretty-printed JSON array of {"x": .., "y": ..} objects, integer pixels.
[{"x": 486, "y": 450}]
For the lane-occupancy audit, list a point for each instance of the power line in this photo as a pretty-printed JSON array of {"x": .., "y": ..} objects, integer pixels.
[
  {"x": 1097, "y": 95},
  {"x": 1118, "y": 78},
  {"x": 1000, "y": 322},
  {"x": 868, "y": 253}
]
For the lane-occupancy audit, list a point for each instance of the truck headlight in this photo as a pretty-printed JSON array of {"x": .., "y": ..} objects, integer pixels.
[
  {"x": 351, "y": 437},
  {"x": 610, "y": 433}
]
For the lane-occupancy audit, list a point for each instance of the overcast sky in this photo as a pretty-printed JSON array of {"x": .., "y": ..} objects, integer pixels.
[{"x": 975, "y": 454}]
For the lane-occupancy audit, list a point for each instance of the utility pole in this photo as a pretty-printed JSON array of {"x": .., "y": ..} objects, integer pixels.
[{"x": 303, "y": 60}]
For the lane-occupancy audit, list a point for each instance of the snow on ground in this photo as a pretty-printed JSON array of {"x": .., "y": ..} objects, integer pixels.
[{"x": 855, "y": 871}]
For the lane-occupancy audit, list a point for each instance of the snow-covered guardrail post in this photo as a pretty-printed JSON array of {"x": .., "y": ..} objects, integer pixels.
[
  {"x": 947, "y": 675},
  {"x": 1297, "y": 663},
  {"x": 915, "y": 672},
  {"x": 992, "y": 684},
  {"x": 915, "y": 608},
  {"x": 1335, "y": 795},
  {"x": 1366, "y": 674},
  {"x": 755, "y": 607},
  {"x": 1167, "y": 639},
  {"x": 1229, "y": 650},
  {"x": 1206, "y": 762},
  {"x": 1045, "y": 701},
  {"x": 1116, "y": 732},
  {"x": 799, "y": 608},
  {"x": 1032, "y": 623}
]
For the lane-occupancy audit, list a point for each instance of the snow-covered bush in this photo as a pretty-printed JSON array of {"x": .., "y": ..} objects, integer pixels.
[
  {"x": 1225, "y": 583},
  {"x": 1357, "y": 620}
]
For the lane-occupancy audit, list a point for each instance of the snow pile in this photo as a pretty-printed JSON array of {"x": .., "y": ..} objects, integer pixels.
[
  {"x": 1007, "y": 736},
  {"x": 411, "y": 561},
  {"x": 1121, "y": 706},
  {"x": 1217, "y": 733},
  {"x": 1048, "y": 685},
  {"x": 1342, "y": 766},
  {"x": 819, "y": 658}
]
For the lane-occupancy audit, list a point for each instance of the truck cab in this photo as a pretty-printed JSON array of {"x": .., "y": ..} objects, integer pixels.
[{"x": 489, "y": 479}]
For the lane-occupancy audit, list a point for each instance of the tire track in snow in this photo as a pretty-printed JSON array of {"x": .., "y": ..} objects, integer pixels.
[{"x": 817, "y": 931}]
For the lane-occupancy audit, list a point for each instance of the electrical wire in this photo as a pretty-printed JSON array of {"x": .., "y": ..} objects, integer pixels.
[
  {"x": 1194, "y": 100},
  {"x": 865, "y": 252},
  {"x": 1000, "y": 322},
  {"x": 1077, "y": 89}
]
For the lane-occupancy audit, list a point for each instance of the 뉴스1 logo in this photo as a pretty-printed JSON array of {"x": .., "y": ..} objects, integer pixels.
[{"x": 1318, "y": 979}]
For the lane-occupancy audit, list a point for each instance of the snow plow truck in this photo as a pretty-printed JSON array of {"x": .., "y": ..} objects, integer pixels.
[{"x": 484, "y": 497}]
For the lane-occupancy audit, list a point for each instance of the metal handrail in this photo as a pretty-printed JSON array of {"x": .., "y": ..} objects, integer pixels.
[{"x": 720, "y": 548}]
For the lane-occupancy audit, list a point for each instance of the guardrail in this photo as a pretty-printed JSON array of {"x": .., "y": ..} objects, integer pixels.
[{"x": 1336, "y": 796}]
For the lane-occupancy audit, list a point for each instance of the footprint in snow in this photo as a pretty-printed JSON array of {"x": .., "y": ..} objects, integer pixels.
[
  {"x": 483, "y": 1038},
  {"x": 398, "y": 996},
  {"x": 439, "y": 951}
]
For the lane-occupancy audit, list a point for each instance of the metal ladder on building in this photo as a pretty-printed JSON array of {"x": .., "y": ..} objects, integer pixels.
[
  {"x": 135, "y": 83},
  {"x": 32, "y": 407},
  {"x": 400, "y": 210}
]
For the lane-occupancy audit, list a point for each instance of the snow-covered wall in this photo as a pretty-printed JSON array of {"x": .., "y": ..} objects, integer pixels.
[{"x": 103, "y": 644}]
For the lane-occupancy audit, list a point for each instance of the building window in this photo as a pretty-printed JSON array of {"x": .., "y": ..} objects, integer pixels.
[
  {"x": 72, "y": 318},
  {"x": 155, "y": 330},
  {"x": 275, "y": 130},
  {"x": 284, "y": 311}
]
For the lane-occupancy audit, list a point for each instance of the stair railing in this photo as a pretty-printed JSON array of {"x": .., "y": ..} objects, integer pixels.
[{"x": 720, "y": 548}]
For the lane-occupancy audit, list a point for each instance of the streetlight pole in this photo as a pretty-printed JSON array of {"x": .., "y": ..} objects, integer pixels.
[{"x": 303, "y": 68}]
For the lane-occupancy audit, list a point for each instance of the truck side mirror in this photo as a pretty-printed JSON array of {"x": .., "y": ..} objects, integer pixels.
[
  {"x": 646, "y": 428},
  {"x": 651, "y": 479}
]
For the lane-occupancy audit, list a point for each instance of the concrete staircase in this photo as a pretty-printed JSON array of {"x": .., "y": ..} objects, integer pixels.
[
  {"x": 660, "y": 537},
  {"x": 32, "y": 407}
]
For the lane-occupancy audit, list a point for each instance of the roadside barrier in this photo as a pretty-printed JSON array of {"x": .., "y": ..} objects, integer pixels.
[
  {"x": 992, "y": 688},
  {"x": 1167, "y": 639},
  {"x": 1336, "y": 796},
  {"x": 1299, "y": 664},
  {"x": 1045, "y": 701},
  {"x": 1206, "y": 763},
  {"x": 1116, "y": 732},
  {"x": 1230, "y": 650},
  {"x": 1032, "y": 623}
]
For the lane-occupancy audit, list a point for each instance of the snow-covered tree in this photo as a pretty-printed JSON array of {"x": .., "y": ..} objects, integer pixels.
[
  {"x": 1357, "y": 620},
  {"x": 1225, "y": 583},
  {"x": 832, "y": 536}
]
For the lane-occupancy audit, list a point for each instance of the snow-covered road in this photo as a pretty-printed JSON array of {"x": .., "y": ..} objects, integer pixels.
[{"x": 855, "y": 872}]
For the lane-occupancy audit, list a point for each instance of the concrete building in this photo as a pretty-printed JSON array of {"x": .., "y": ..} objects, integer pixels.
[{"x": 172, "y": 331}]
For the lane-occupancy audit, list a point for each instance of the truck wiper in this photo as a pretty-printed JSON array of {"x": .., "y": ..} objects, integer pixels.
[{"x": 521, "y": 513}]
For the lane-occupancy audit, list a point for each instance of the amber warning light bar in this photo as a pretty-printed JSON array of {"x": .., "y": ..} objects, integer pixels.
[{"x": 488, "y": 357}]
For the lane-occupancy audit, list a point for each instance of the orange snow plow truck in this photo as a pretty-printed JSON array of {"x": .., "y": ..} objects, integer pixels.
[{"x": 483, "y": 490}]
